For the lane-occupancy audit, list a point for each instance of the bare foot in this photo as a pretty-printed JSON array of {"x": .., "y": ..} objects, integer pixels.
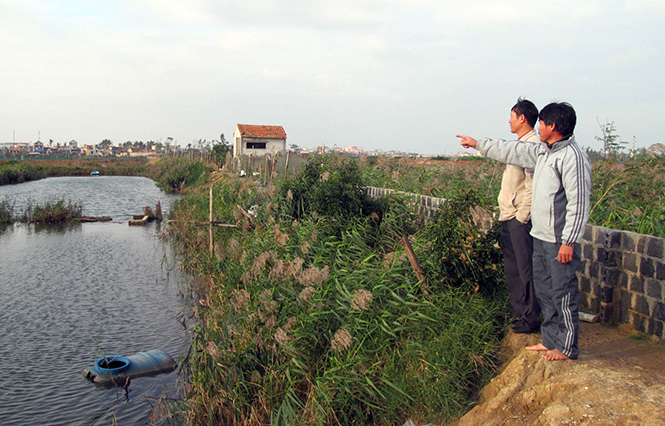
[
  {"x": 538, "y": 347},
  {"x": 554, "y": 355}
]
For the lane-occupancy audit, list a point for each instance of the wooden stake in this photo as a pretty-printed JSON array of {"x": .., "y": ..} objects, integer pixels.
[
  {"x": 286, "y": 166},
  {"x": 415, "y": 264},
  {"x": 210, "y": 228}
]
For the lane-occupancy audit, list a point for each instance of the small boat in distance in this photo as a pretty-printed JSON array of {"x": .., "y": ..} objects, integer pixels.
[{"x": 94, "y": 173}]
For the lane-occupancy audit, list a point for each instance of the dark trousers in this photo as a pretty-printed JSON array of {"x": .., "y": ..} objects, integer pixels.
[
  {"x": 517, "y": 246},
  {"x": 558, "y": 293}
]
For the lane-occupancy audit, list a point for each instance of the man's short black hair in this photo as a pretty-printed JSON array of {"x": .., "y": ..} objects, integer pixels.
[
  {"x": 527, "y": 109},
  {"x": 562, "y": 114}
]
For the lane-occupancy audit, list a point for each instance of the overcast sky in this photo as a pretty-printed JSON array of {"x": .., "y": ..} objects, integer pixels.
[{"x": 390, "y": 74}]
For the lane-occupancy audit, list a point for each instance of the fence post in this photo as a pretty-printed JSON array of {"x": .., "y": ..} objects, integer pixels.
[{"x": 286, "y": 166}]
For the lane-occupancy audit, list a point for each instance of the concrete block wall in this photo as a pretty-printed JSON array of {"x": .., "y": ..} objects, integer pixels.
[
  {"x": 621, "y": 276},
  {"x": 426, "y": 205}
]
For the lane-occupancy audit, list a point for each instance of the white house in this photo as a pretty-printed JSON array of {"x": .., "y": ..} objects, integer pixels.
[{"x": 258, "y": 139}]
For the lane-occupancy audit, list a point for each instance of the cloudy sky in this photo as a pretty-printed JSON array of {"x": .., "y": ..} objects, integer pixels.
[{"x": 389, "y": 74}]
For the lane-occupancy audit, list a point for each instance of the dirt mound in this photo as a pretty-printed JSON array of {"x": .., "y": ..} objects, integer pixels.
[{"x": 617, "y": 380}]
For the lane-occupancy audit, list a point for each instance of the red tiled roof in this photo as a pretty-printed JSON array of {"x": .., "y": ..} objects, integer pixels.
[{"x": 269, "y": 132}]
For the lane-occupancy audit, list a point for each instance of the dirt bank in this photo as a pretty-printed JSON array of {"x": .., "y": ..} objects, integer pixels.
[{"x": 617, "y": 380}]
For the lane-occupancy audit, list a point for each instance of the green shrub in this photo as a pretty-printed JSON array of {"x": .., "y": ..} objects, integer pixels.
[
  {"x": 175, "y": 174},
  {"x": 325, "y": 187},
  {"x": 461, "y": 255}
]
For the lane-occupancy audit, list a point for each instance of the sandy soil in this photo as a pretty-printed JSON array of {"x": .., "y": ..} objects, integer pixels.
[{"x": 617, "y": 380}]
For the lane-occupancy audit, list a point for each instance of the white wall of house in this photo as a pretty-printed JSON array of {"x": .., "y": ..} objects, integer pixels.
[{"x": 256, "y": 146}]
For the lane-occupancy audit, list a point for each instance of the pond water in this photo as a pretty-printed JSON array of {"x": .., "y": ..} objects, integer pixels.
[{"x": 71, "y": 295}]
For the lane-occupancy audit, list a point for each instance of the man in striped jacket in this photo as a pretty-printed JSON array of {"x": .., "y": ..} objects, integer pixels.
[{"x": 559, "y": 214}]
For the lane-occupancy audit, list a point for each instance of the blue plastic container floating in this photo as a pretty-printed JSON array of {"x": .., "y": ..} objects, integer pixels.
[{"x": 115, "y": 370}]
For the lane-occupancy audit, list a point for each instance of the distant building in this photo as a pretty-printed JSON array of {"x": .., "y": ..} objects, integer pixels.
[{"x": 258, "y": 139}]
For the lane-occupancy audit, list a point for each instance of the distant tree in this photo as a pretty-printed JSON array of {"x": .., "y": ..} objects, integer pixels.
[
  {"x": 295, "y": 148},
  {"x": 105, "y": 144},
  {"x": 612, "y": 143},
  {"x": 594, "y": 156},
  {"x": 221, "y": 147}
]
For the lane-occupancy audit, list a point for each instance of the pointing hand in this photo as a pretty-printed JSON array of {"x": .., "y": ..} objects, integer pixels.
[{"x": 467, "y": 141}]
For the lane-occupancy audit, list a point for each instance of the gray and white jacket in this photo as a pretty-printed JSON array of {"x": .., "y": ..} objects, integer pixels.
[{"x": 561, "y": 185}]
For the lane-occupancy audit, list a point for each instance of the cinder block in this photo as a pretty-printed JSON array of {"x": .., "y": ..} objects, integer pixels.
[
  {"x": 630, "y": 262},
  {"x": 588, "y": 233},
  {"x": 654, "y": 288},
  {"x": 624, "y": 278},
  {"x": 612, "y": 238},
  {"x": 659, "y": 311},
  {"x": 593, "y": 269},
  {"x": 613, "y": 259},
  {"x": 646, "y": 267},
  {"x": 655, "y": 247},
  {"x": 587, "y": 251},
  {"x": 660, "y": 270},
  {"x": 637, "y": 284},
  {"x": 641, "y": 305},
  {"x": 595, "y": 287},
  {"x": 628, "y": 241},
  {"x": 601, "y": 255},
  {"x": 611, "y": 276},
  {"x": 626, "y": 299},
  {"x": 625, "y": 315}
]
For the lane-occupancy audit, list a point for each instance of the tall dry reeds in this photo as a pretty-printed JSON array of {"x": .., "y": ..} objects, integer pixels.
[{"x": 323, "y": 321}]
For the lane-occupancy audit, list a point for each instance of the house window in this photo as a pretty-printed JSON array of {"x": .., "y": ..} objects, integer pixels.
[{"x": 256, "y": 145}]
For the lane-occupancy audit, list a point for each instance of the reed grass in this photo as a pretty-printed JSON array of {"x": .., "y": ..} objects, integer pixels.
[
  {"x": 52, "y": 212},
  {"x": 630, "y": 196},
  {"x": 6, "y": 211},
  {"x": 626, "y": 196},
  {"x": 315, "y": 320}
]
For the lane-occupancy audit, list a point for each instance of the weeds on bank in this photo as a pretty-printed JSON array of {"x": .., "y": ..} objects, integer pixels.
[
  {"x": 52, "y": 212},
  {"x": 306, "y": 318}
]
